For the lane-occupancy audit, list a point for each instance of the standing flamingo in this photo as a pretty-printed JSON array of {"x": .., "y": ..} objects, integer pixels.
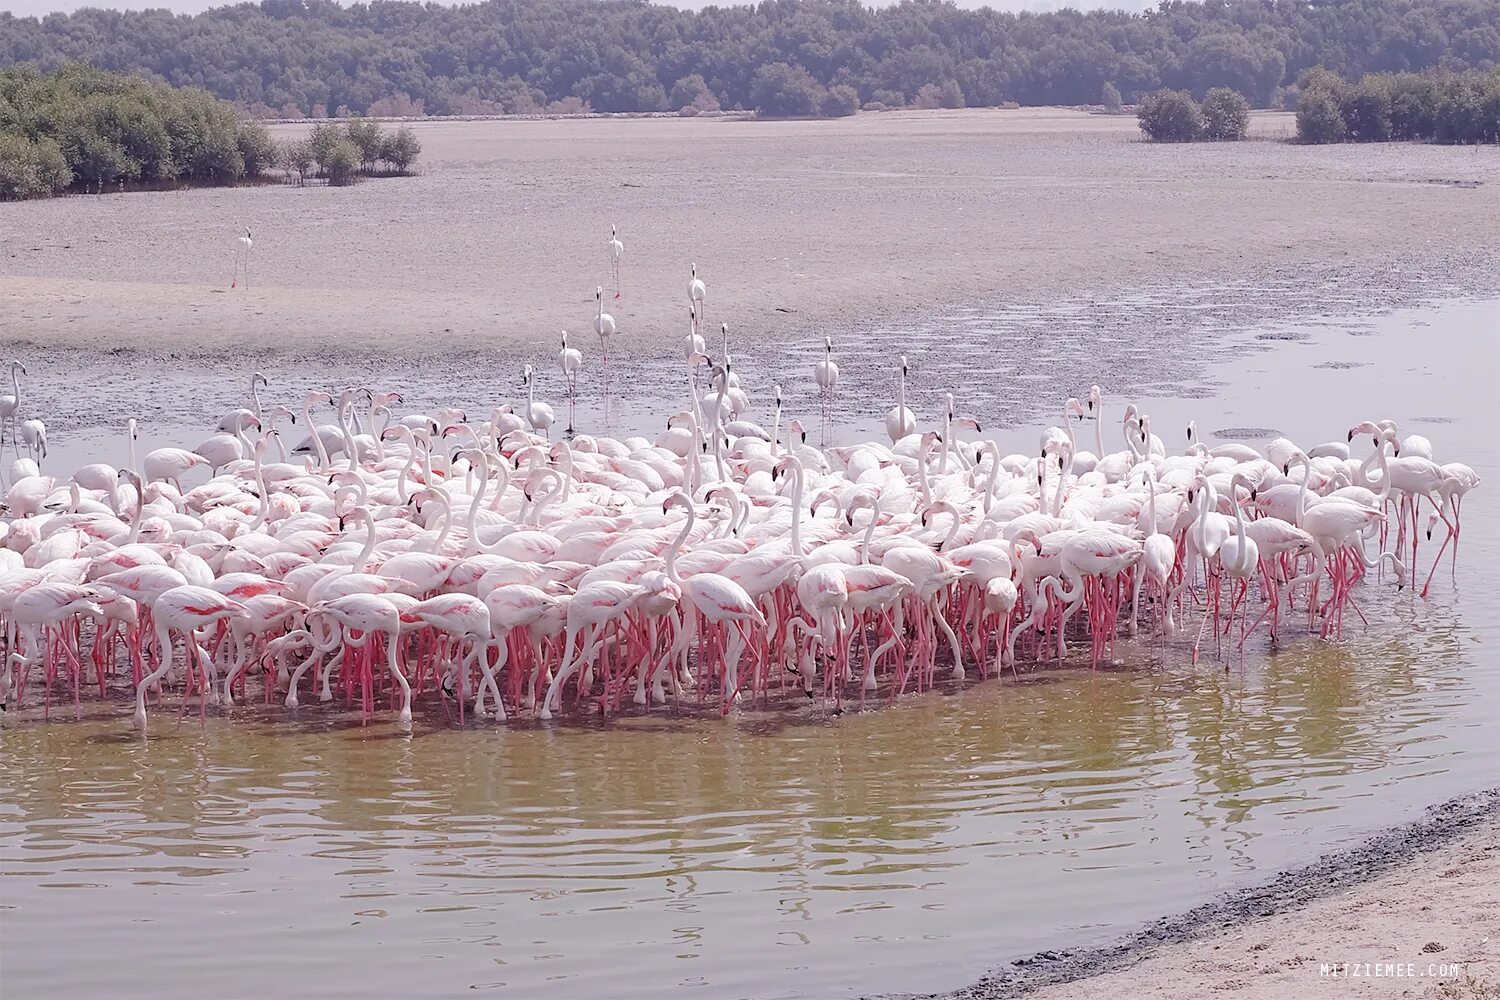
[
  {"x": 900, "y": 421},
  {"x": 539, "y": 415},
  {"x": 718, "y": 600},
  {"x": 604, "y": 328},
  {"x": 570, "y": 359},
  {"x": 696, "y": 293},
  {"x": 187, "y": 610},
  {"x": 826, "y": 374},
  {"x": 10, "y": 405},
  {"x": 616, "y": 252},
  {"x": 241, "y": 259}
]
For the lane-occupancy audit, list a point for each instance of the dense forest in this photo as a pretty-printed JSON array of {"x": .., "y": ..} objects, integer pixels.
[{"x": 299, "y": 57}]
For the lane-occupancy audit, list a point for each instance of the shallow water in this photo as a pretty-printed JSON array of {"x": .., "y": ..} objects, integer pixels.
[{"x": 785, "y": 853}]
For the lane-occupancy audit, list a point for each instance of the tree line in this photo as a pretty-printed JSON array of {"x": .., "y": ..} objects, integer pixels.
[
  {"x": 83, "y": 129},
  {"x": 1443, "y": 107},
  {"x": 390, "y": 57}
]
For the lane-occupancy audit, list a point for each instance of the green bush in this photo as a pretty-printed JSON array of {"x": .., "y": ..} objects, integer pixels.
[
  {"x": 368, "y": 137},
  {"x": 322, "y": 140},
  {"x": 1414, "y": 106},
  {"x": 82, "y": 128},
  {"x": 341, "y": 162},
  {"x": 785, "y": 91},
  {"x": 95, "y": 160},
  {"x": 52, "y": 166},
  {"x": 31, "y": 169},
  {"x": 1226, "y": 115},
  {"x": 400, "y": 149},
  {"x": 692, "y": 92},
  {"x": 1319, "y": 118},
  {"x": 841, "y": 101},
  {"x": 1170, "y": 116},
  {"x": 257, "y": 148},
  {"x": 1111, "y": 98},
  {"x": 1367, "y": 111},
  {"x": 1443, "y": 107}
]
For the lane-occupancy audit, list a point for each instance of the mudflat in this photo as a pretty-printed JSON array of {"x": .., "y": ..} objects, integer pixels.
[{"x": 795, "y": 227}]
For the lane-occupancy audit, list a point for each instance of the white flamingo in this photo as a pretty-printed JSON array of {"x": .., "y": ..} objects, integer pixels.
[{"x": 242, "y": 247}]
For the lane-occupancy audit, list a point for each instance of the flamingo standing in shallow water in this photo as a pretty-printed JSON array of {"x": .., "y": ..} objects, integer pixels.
[
  {"x": 512, "y": 567},
  {"x": 826, "y": 374},
  {"x": 570, "y": 359}
]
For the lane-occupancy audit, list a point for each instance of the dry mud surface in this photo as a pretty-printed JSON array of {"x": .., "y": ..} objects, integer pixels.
[{"x": 797, "y": 227}]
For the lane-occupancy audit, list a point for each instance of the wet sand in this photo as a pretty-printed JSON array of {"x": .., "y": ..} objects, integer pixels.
[
  {"x": 1389, "y": 918},
  {"x": 796, "y": 227}
]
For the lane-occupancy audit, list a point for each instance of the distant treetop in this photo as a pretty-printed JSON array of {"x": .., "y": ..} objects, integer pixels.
[{"x": 314, "y": 57}]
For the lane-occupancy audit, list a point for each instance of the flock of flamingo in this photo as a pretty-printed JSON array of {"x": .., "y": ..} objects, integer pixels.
[{"x": 386, "y": 555}]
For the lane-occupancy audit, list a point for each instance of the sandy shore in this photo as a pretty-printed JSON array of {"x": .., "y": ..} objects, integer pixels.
[
  {"x": 1389, "y": 918},
  {"x": 795, "y": 226}
]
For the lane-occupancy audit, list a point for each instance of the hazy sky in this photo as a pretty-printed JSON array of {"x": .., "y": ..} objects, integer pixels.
[{"x": 28, "y": 8}]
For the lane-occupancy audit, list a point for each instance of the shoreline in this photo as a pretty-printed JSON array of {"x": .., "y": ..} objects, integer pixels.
[
  {"x": 797, "y": 227},
  {"x": 1161, "y": 954}
]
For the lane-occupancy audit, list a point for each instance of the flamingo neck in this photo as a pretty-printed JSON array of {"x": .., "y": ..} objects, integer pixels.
[
  {"x": 678, "y": 542},
  {"x": 797, "y": 485},
  {"x": 472, "y": 522},
  {"x": 502, "y": 488},
  {"x": 994, "y": 478},
  {"x": 864, "y": 547},
  {"x": 312, "y": 429},
  {"x": 1301, "y": 511},
  {"x": 1151, "y": 504}
]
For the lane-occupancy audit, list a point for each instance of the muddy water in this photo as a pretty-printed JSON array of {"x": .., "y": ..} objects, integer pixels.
[{"x": 790, "y": 853}]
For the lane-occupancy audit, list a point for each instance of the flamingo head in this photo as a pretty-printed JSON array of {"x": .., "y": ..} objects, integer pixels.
[
  {"x": 797, "y": 428},
  {"x": 1095, "y": 398}
]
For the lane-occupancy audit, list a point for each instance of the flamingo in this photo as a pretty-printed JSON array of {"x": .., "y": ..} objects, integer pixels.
[
  {"x": 571, "y": 362},
  {"x": 826, "y": 374},
  {"x": 900, "y": 421},
  {"x": 718, "y": 600},
  {"x": 539, "y": 415},
  {"x": 604, "y": 329},
  {"x": 697, "y": 292},
  {"x": 187, "y": 610},
  {"x": 34, "y": 434},
  {"x": 10, "y": 404},
  {"x": 616, "y": 253},
  {"x": 242, "y": 246}
]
